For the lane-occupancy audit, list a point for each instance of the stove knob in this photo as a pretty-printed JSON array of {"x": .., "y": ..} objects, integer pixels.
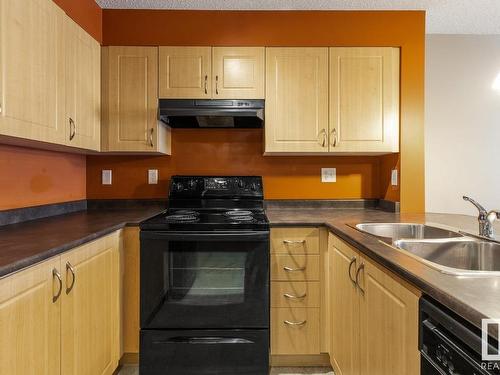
[
  {"x": 192, "y": 184},
  {"x": 241, "y": 184},
  {"x": 253, "y": 186},
  {"x": 178, "y": 186}
]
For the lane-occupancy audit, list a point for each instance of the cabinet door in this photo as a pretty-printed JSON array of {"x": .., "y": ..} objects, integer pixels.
[
  {"x": 130, "y": 99},
  {"x": 31, "y": 70},
  {"x": 185, "y": 72},
  {"x": 83, "y": 87},
  {"x": 344, "y": 306},
  {"x": 296, "y": 100},
  {"x": 30, "y": 321},
  {"x": 388, "y": 324},
  {"x": 364, "y": 99},
  {"x": 238, "y": 72},
  {"x": 90, "y": 344}
]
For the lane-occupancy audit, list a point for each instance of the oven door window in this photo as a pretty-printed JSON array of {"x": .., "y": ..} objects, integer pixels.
[{"x": 207, "y": 283}]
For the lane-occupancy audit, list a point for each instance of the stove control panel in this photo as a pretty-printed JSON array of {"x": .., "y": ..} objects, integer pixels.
[{"x": 216, "y": 187}]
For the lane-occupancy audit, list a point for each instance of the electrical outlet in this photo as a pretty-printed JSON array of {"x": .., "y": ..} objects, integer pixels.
[
  {"x": 107, "y": 176},
  {"x": 152, "y": 176},
  {"x": 394, "y": 177},
  {"x": 328, "y": 174}
]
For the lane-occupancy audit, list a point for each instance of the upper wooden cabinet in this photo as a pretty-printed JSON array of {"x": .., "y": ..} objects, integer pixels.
[
  {"x": 211, "y": 73},
  {"x": 130, "y": 101},
  {"x": 296, "y": 100},
  {"x": 185, "y": 72},
  {"x": 364, "y": 99},
  {"x": 238, "y": 72},
  {"x": 32, "y": 70},
  {"x": 83, "y": 88}
]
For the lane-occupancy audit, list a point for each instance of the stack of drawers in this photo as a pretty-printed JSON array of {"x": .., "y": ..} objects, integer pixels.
[{"x": 295, "y": 291}]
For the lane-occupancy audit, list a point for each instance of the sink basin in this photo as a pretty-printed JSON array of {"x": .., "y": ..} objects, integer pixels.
[
  {"x": 464, "y": 256},
  {"x": 397, "y": 231}
]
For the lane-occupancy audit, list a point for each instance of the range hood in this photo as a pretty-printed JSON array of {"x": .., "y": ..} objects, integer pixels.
[{"x": 216, "y": 113}]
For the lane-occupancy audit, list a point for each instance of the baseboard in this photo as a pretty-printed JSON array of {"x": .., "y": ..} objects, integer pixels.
[
  {"x": 322, "y": 359},
  {"x": 129, "y": 359}
]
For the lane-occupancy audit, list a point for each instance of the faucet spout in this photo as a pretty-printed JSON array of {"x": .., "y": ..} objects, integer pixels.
[
  {"x": 480, "y": 208},
  {"x": 485, "y": 218}
]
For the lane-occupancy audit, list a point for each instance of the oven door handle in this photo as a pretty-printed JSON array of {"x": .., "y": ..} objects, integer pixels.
[
  {"x": 206, "y": 236},
  {"x": 204, "y": 340}
]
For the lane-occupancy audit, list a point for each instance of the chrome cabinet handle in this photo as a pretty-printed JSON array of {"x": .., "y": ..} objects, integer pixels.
[
  {"x": 206, "y": 83},
  {"x": 56, "y": 274},
  {"x": 151, "y": 131},
  {"x": 290, "y": 296},
  {"x": 361, "y": 266},
  {"x": 289, "y": 242},
  {"x": 301, "y": 323},
  {"x": 288, "y": 269},
  {"x": 323, "y": 136},
  {"x": 72, "y": 129},
  {"x": 351, "y": 263},
  {"x": 217, "y": 85},
  {"x": 333, "y": 136},
  {"x": 70, "y": 268}
]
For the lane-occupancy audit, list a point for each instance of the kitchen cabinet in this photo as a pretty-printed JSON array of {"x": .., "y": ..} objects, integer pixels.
[
  {"x": 211, "y": 73},
  {"x": 130, "y": 101},
  {"x": 296, "y": 100},
  {"x": 32, "y": 70},
  {"x": 83, "y": 88},
  {"x": 238, "y": 72},
  {"x": 374, "y": 316},
  {"x": 185, "y": 72},
  {"x": 364, "y": 99},
  {"x": 30, "y": 317}
]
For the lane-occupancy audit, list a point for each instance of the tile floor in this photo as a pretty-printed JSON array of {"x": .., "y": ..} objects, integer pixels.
[{"x": 133, "y": 370}]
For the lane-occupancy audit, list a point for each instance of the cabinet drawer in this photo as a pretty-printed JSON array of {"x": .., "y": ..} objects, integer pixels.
[
  {"x": 299, "y": 338},
  {"x": 295, "y": 240},
  {"x": 295, "y": 294},
  {"x": 294, "y": 267}
]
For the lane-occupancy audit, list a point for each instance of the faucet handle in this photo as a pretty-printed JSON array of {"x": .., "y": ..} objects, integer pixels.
[
  {"x": 493, "y": 215},
  {"x": 482, "y": 210}
]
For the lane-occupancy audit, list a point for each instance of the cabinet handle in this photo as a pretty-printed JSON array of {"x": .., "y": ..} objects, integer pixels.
[
  {"x": 217, "y": 85},
  {"x": 151, "y": 131},
  {"x": 72, "y": 129},
  {"x": 361, "y": 266},
  {"x": 290, "y": 296},
  {"x": 206, "y": 84},
  {"x": 70, "y": 268},
  {"x": 323, "y": 136},
  {"x": 351, "y": 263},
  {"x": 288, "y": 269},
  {"x": 295, "y": 323},
  {"x": 56, "y": 274},
  {"x": 333, "y": 136},
  {"x": 289, "y": 242}
]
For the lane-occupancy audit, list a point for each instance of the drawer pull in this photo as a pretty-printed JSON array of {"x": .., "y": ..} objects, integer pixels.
[
  {"x": 290, "y": 242},
  {"x": 57, "y": 275},
  {"x": 295, "y": 323},
  {"x": 288, "y": 269},
  {"x": 290, "y": 296}
]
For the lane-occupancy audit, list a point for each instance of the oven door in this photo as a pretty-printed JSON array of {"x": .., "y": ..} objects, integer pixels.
[{"x": 204, "y": 280}]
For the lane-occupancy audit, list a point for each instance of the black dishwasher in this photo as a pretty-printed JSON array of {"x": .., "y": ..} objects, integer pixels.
[{"x": 451, "y": 346}]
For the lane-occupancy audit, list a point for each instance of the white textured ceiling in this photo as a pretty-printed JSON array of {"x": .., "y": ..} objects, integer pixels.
[{"x": 443, "y": 16}]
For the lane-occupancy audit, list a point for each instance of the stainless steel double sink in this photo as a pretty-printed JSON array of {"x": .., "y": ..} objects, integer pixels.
[{"x": 445, "y": 250}]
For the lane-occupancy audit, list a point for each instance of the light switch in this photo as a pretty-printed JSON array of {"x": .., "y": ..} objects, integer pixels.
[
  {"x": 328, "y": 174},
  {"x": 394, "y": 177},
  {"x": 152, "y": 176},
  {"x": 107, "y": 176}
]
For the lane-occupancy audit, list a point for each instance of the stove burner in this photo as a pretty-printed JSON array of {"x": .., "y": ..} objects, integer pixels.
[
  {"x": 186, "y": 212},
  {"x": 182, "y": 218},
  {"x": 242, "y": 218},
  {"x": 235, "y": 214}
]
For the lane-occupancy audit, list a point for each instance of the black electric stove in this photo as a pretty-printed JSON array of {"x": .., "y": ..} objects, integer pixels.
[{"x": 205, "y": 280}]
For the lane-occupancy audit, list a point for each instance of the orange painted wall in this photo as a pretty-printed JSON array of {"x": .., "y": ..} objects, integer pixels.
[
  {"x": 216, "y": 151},
  {"x": 30, "y": 177}
]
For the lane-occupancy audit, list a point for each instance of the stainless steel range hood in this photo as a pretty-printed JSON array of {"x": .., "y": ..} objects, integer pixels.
[{"x": 217, "y": 113}]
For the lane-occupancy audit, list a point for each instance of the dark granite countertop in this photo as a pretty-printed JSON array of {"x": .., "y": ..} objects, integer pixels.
[
  {"x": 27, "y": 243},
  {"x": 472, "y": 298}
]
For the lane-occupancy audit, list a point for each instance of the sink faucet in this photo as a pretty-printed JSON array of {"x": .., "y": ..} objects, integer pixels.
[{"x": 485, "y": 218}]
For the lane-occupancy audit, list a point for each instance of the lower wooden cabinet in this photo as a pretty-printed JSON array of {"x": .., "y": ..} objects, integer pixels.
[
  {"x": 374, "y": 316},
  {"x": 62, "y": 316}
]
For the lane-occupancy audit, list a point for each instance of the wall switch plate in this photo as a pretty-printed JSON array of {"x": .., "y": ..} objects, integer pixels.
[
  {"x": 394, "y": 177},
  {"x": 328, "y": 174},
  {"x": 152, "y": 176},
  {"x": 107, "y": 176}
]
